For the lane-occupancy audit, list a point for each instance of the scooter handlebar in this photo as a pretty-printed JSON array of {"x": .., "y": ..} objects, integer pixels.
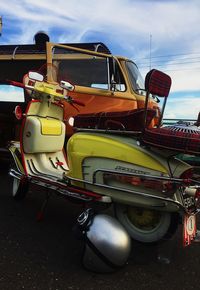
[
  {"x": 20, "y": 85},
  {"x": 16, "y": 84},
  {"x": 71, "y": 101},
  {"x": 78, "y": 103}
]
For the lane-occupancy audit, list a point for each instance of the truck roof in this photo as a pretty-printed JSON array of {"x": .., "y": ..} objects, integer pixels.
[{"x": 30, "y": 49}]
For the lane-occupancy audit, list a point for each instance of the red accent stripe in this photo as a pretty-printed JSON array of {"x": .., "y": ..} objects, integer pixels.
[{"x": 70, "y": 188}]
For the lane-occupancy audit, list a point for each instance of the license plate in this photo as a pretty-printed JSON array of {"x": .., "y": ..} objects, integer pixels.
[{"x": 189, "y": 229}]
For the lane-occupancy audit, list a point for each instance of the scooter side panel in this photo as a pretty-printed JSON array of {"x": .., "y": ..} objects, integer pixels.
[
  {"x": 83, "y": 145},
  {"x": 88, "y": 153},
  {"x": 98, "y": 166}
]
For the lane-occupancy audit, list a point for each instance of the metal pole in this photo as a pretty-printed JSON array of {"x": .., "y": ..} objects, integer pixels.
[
  {"x": 150, "y": 43},
  {"x": 0, "y": 25}
]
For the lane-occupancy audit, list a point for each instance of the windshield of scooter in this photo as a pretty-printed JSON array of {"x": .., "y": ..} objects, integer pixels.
[{"x": 136, "y": 79}]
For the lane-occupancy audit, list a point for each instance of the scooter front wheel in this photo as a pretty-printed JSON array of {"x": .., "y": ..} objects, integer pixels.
[
  {"x": 145, "y": 225},
  {"x": 19, "y": 188}
]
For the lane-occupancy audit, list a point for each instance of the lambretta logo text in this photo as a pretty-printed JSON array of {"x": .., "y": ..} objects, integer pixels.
[{"x": 131, "y": 170}]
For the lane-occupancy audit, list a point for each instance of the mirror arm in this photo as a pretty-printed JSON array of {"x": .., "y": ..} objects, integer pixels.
[
  {"x": 145, "y": 110},
  {"x": 162, "y": 112}
]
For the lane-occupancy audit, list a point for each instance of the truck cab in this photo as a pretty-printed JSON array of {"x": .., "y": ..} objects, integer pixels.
[{"x": 103, "y": 82}]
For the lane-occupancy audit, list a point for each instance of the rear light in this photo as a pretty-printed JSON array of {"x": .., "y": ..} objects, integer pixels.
[{"x": 163, "y": 186}]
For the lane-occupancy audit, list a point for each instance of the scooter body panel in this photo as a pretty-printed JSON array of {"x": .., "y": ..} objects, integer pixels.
[
  {"x": 92, "y": 156},
  {"x": 117, "y": 148}
]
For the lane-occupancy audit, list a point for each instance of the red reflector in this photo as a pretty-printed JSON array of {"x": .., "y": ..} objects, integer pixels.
[
  {"x": 18, "y": 113},
  {"x": 59, "y": 163},
  {"x": 59, "y": 91},
  {"x": 31, "y": 83}
]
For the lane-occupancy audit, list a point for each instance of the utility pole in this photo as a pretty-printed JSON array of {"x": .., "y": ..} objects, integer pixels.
[{"x": 0, "y": 25}]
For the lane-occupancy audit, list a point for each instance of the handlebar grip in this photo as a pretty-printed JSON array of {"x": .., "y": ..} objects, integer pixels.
[
  {"x": 16, "y": 84},
  {"x": 78, "y": 103}
]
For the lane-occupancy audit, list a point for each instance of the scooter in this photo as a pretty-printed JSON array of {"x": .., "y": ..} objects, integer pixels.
[{"x": 151, "y": 189}]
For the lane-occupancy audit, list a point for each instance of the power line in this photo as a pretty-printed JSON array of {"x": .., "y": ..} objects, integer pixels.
[
  {"x": 181, "y": 69},
  {"x": 184, "y": 69},
  {"x": 169, "y": 64},
  {"x": 171, "y": 55},
  {"x": 184, "y": 60}
]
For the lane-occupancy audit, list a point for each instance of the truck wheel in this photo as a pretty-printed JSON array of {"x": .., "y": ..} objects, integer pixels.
[
  {"x": 19, "y": 188},
  {"x": 145, "y": 225}
]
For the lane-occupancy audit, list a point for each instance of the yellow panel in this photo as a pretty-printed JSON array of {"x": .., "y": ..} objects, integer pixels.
[
  {"x": 50, "y": 127},
  {"x": 83, "y": 145}
]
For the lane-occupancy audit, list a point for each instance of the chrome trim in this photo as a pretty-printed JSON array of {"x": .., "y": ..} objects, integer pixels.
[
  {"x": 56, "y": 186},
  {"x": 143, "y": 194},
  {"x": 116, "y": 132},
  {"x": 45, "y": 183},
  {"x": 15, "y": 174},
  {"x": 14, "y": 157},
  {"x": 176, "y": 180}
]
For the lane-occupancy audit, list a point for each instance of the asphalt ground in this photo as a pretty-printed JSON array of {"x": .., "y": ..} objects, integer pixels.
[{"x": 46, "y": 255}]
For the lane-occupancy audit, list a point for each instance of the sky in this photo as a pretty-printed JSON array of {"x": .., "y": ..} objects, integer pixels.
[{"x": 161, "y": 34}]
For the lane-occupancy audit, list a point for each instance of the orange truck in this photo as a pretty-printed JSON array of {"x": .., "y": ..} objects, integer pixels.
[{"x": 104, "y": 82}]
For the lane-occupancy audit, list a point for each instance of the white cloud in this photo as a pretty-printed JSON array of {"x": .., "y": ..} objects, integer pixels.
[
  {"x": 168, "y": 21},
  {"x": 125, "y": 25},
  {"x": 184, "y": 72},
  {"x": 186, "y": 107}
]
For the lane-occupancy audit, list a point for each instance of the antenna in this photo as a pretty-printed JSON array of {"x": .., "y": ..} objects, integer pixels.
[{"x": 150, "y": 43}]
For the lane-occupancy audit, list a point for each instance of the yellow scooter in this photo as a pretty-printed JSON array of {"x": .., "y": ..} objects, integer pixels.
[{"x": 151, "y": 189}]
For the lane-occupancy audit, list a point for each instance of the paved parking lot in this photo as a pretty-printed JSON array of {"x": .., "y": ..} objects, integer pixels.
[{"x": 45, "y": 255}]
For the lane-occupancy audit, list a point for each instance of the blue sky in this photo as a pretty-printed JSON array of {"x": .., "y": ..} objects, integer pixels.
[{"x": 125, "y": 27}]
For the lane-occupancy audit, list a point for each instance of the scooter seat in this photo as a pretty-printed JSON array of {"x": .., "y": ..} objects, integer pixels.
[
  {"x": 131, "y": 120},
  {"x": 181, "y": 137}
]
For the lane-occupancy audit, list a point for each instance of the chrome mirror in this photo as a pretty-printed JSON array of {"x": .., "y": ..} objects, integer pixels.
[
  {"x": 35, "y": 76},
  {"x": 66, "y": 85}
]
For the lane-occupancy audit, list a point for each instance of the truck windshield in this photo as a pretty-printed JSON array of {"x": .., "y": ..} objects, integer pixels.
[
  {"x": 85, "y": 69},
  {"x": 81, "y": 69},
  {"x": 135, "y": 77}
]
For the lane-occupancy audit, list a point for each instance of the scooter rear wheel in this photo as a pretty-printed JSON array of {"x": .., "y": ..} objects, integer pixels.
[
  {"x": 145, "y": 225},
  {"x": 19, "y": 188}
]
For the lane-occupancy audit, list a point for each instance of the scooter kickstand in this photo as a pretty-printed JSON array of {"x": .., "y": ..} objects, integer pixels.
[{"x": 40, "y": 214}]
